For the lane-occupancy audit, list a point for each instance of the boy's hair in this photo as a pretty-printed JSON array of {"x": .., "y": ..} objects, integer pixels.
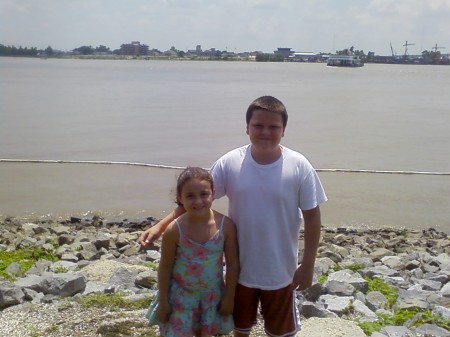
[
  {"x": 192, "y": 172},
  {"x": 268, "y": 103}
]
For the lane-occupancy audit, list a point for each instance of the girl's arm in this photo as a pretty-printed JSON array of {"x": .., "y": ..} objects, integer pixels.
[
  {"x": 168, "y": 252},
  {"x": 232, "y": 267},
  {"x": 153, "y": 233}
]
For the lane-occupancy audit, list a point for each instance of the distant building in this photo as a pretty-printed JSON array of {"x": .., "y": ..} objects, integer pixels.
[
  {"x": 134, "y": 48},
  {"x": 304, "y": 57},
  {"x": 195, "y": 52},
  {"x": 284, "y": 52}
]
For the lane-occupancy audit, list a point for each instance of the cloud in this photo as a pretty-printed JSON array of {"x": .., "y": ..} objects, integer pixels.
[{"x": 304, "y": 25}]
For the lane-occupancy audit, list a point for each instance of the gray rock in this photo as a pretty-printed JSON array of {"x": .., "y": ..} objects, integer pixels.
[
  {"x": 14, "y": 270},
  {"x": 445, "y": 291},
  {"x": 393, "y": 262},
  {"x": 379, "y": 253},
  {"x": 442, "y": 312},
  {"x": 93, "y": 287},
  {"x": 432, "y": 330},
  {"x": 153, "y": 255},
  {"x": 396, "y": 331},
  {"x": 348, "y": 277},
  {"x": 64, "y": 285},
  {"x": 339, "y": 288},
  {"x": 379, "y": 271},
  {"x": 336, "y": 304},
  {"x": 147, "y": 279},
  {"x": 430, "y": 285},
  {"x": 123, "y": 278},
  {"x": 310, "y": 309},
  {"x": 32, "y": 281},
  {"x": 361, "y": 310},
  {"x": 10, "y": 294},
  {"x": 376, "y": 300},
  {"x": 63, "y": 266},
  {"x": 410, "y": 299}
]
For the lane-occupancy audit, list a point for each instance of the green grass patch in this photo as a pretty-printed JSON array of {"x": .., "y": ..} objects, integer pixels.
[
  {"x": 25, "y": 257},
  {"x": 151, "y": 265},
  {"x": 322, "y": 279},
  {"x": 353, "y": 267},
  {"x": 377, "y": 284},
  {"x": 400, "y": 317},
  {"x": 427, "y": 317},
  {"x": 112, "y": 301},
  {"x": 126, "y": 329}
]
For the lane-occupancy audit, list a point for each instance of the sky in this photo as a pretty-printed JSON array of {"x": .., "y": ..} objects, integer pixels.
[{"x": 232, "y": 25}]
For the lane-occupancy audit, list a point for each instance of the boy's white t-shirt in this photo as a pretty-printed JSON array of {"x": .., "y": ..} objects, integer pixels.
[{"x": 265, "y": 203}]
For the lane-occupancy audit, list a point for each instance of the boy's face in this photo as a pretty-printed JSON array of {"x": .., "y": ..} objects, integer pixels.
[{"x": 265, "y": 130}]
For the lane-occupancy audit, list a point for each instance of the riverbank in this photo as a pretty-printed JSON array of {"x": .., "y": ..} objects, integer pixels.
[{"x": 101, "y": 258}]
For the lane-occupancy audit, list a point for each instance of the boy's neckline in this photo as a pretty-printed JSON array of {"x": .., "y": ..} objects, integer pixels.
[{"x": 266, "y": 158}]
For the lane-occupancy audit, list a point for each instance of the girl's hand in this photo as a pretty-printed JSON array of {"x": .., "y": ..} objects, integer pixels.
[
  {"x": 226, "y": 305},
  {"x": 163, "y": 312}
]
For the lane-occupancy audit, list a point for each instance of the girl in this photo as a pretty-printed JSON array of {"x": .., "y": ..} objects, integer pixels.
[{"x": 193, "y": 299}]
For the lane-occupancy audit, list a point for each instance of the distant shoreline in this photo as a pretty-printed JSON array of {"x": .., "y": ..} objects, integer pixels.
[
  {"x": 385, "y": 60},
  {"x": 125, "y": 221}
]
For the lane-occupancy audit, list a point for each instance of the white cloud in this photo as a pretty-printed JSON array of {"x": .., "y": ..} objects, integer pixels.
[{"x": 304, "y": 25}]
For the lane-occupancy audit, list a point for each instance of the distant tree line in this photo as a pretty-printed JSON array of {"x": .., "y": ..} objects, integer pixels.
[
  {"x": 13, "y": 51},
  {"x": 264, "y": 57},
  {"x": 434, "y": 57},
  {"x": 89, "y": 50},
  {"x": 351, "y": 51}
]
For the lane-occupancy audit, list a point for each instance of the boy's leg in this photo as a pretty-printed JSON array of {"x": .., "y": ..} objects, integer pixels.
[
  {"x": 280, "y": 313},
  {"x": 245, "y": 309}
]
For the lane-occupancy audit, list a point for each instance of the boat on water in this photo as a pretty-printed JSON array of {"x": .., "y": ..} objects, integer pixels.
[{"x": 344, "y": 61}]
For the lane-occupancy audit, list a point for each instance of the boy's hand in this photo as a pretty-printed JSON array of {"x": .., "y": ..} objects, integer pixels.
[
  {"x": 148, "y": 237},
  {"x": 163, "y": 312},
  {"x": 303, "y": 277},
  {"x": 226, "y": 305}
]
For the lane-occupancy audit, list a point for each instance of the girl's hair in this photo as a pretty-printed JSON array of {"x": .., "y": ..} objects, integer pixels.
[
  {"x": 268, "y": 103},
  {"x": 192, "y": 173}
]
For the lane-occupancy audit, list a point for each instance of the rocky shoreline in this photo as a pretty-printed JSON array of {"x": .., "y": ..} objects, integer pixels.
[{"x": 411, "y": 269}]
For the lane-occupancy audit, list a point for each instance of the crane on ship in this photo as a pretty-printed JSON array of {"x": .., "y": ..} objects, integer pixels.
[
  {"x": 392, "y": 50},
  {"x": 406, "y": 47},
  {"x": 435, "y": 48}
]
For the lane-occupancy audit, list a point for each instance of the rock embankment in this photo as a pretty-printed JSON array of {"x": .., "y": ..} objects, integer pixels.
[{"x": 96, "y": 256}]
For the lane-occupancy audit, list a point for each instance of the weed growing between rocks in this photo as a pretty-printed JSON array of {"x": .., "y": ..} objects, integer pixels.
[
  {"x": 353, "y": 267},
  {"x": 408, "y": 317},
  {"x": 377, "y": 284},
  {"x": 25, "y": 258},
  {"x": 124, "y": 329},
  {"x": 113, "y": 301}
]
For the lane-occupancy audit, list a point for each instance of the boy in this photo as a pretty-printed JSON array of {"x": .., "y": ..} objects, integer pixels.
[{"x": 270, "y": 188}]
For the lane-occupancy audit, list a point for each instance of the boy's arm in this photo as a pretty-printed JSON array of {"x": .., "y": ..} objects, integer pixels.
[
  {"x": 152, "y": 234},
  {"x": 304, "y": 274},
  {"x": 168, "y": 251},
  {"x": 232, "y": 267}
]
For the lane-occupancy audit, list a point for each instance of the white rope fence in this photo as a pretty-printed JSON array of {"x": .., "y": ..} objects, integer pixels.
[{"x": 102, "y": 162}]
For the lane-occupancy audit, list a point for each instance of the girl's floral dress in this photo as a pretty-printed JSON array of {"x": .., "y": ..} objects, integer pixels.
[{"x": 195, "y": 291}]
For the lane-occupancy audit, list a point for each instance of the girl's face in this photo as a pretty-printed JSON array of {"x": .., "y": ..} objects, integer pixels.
[{"x": 196, "y": 196}]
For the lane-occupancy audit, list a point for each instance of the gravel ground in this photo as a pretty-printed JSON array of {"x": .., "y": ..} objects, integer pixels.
[
  {"x": 330, "y": 327},
  {"x": 69, "y": 319}
]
